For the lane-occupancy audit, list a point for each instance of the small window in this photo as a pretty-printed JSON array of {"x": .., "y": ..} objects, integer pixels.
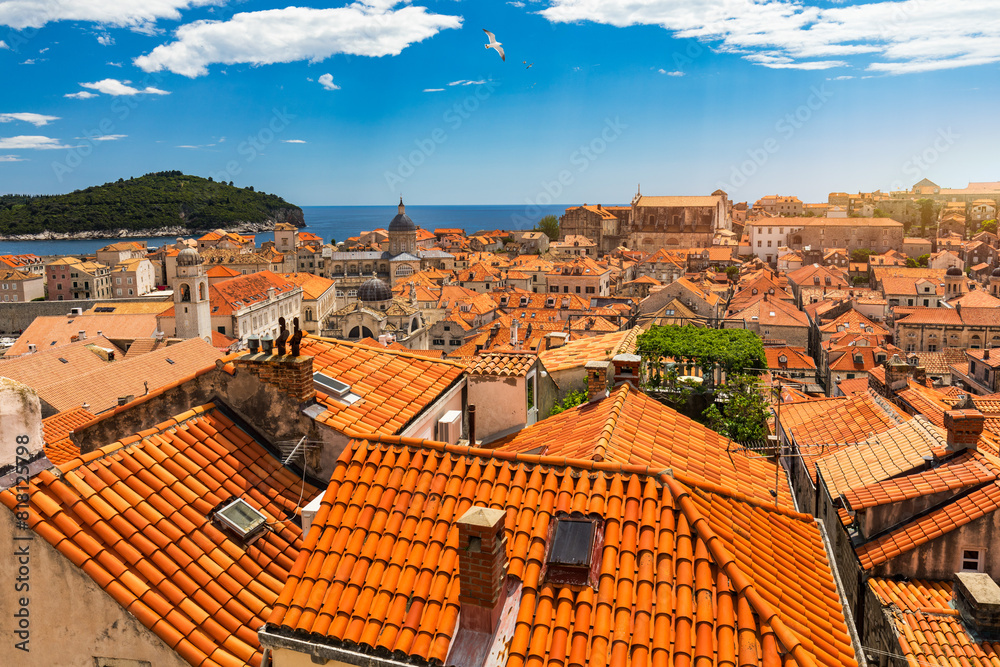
[{"x": 972, "y": 560}]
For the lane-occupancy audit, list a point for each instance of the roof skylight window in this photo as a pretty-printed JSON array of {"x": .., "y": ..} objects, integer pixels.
[
  {"x": 575, "y": 541},
  {"x": 241, "y": 521}
]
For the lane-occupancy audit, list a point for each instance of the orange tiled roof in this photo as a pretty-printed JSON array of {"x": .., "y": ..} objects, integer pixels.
[
  {"x": 500, "y": 363},
  {"x": 854, "y": 386},
  {"x": 966, "y": 470},
  {"x": 881, "y": 457},
  {"x": 930, "y": 630},
  {"x": 850, "y": 422},
  {"x": 724, "y": 563},
  {"x": 56, "y": 429},
  {"x": 629, "y": 427},
  {"x": 595, "y": 348},
  {"x": 52, "y": 330},
  {"x": 135, "y": 516},
  {"x": 393, "y": 386},
  {"x": 930, "y": 526}
]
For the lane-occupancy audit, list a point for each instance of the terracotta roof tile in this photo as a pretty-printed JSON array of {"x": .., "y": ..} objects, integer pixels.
[
  {"x": 685, "y": 570},
  {"x": 594, "y": 348},
  {"x": 942, "y": 520},
  {"x": 393, "y": 386},
  {"x": 506, "y": 364},
  {"x": 56, "y": 429},
  {"x": 966, "y": 470},
  {"x": 629, "y": 427},
  {"x": 148, "y": 539},
  {"x": 929, "y": 629}
]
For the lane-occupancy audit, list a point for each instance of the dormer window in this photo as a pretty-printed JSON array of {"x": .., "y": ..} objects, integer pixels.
[
  {"x": 240, "y": 521},
  {"x": 572, "y": 554}
]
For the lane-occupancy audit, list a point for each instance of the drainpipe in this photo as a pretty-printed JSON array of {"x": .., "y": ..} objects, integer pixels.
[{"x": 472, "y": 426}]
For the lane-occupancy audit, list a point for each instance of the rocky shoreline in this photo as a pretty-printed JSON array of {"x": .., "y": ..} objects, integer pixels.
[{"x": 165, "y": 232}]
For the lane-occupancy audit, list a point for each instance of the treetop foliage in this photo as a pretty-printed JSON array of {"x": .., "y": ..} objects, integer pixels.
[{"x": 734, "y": 350}]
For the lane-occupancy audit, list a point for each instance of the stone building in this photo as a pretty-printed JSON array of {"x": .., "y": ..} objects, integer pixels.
[
  {"x": 677, "y": 222},
  {"x": 376, "y": 313},
  {"x": 605, "y": 225}
]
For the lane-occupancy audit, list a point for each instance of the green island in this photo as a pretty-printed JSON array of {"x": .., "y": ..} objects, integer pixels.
[{"x": 165, "y": 202}]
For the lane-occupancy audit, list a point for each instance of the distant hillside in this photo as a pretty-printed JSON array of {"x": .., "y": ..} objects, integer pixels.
[{"x": 167, "y": 202}]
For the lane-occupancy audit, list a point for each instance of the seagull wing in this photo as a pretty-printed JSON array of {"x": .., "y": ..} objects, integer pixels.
[
  {"x": 500, "y": 51},
  {"x": 493, "y": 39}
]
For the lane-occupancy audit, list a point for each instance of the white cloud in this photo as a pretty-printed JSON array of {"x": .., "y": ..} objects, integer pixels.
[
  {"x": 292, "y": 141},
  {"x": 3, "y": 45},
  {"x": 114, "y": 64},
  {"x": 119, "y": 88},
  {"x": 674, "y": 73},
  {"x": 82, "y": 95},
  {"x": 889, "y": 36},
  {"x": 433, "y": 90},
  {"x": 327, "y": 82},
  {"x": 11, "y": 158},
  {"x": 466, "y": 82},
  {"x": 20, "y": 14},
  {"x": 105, "y": 39},
  {"x": 29, "y": 61},
  {"x": 516, "y": 3},
  {"x": 372, "y": 28},
  {"x": 106, "y": 137},
  {"x": 30, "y": 143},
  {"x": 36, "y": 119}
]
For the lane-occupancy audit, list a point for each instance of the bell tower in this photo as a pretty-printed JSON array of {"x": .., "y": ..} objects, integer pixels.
[{"x": 191, "y": 303}]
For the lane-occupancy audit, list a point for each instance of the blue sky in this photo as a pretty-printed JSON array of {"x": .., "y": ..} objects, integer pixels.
[{"x": 355, "y": 103}]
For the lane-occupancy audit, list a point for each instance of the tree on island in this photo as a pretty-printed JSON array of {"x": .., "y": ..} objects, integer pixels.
[{"x": 549, "y": 225}]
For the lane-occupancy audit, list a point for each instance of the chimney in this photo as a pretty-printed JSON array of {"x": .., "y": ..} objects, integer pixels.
[
  {"x": 977, "y": 600},
  {"x": 20, "y": 423},
  {"x": 292, "y": 375},
  {"x": 986, "y": 354},
  {"x": 513, "y": 334},
  {"x": 482, "y": 568},
  {"x": 253, "y": 343},
  {"x": 82, "y": 334},
  {"x": 32, "y": 348},
  {"x": 964, "y": 428},
  {"x": 597, "y": 379},
  {"x": 627, "y": 369},
  {"x": 555, "y": 339}
]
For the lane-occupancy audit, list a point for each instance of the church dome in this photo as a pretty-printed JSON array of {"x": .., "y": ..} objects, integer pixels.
[
  {"x": 374, "y": 289},
  {"x": 996, "y": 272},
  {"x": 402, "y": 222},
  {"x": 188, "y": 257},
  {"x": 953, "y": 271}
]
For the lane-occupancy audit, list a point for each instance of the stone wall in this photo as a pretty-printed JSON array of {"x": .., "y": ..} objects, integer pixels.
[{"x": 15, "y": 317}]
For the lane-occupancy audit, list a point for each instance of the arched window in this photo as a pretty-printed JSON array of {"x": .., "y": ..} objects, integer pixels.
[
  {"x": 185, "y": 292},
  {"x": 201, "y": 291},
  {"x": 309, "y": 314},
  {"x": 414, "y": 325},
  {"x": 404, "y": 270}
]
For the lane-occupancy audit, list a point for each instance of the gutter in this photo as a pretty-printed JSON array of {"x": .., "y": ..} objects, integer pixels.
[{"x": 271, "y": 641}]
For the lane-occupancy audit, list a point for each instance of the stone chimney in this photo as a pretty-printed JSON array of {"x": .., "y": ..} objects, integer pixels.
[
  {"x": 482, "y": 568},
  {"x": 20, "y": 422},
  {"x": 513, "y": 334},
  {"x": 598, "y": 374},
  {"x": 627, "y": 369},
  {"x": 977, "y": 599},
  {"x": 292, "y": 375},
  {"x": 964, "y": 428}
]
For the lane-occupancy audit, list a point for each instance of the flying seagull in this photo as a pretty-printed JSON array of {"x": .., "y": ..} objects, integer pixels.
[
  {"x": 527, "y": 65},
  {"x": 494, "y": 44}
]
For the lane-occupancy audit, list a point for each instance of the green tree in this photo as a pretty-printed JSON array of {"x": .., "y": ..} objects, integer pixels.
[
  {"x": 926, "y": 214},
  {"x": 861, "y": 255},
  {"x": 549, "y": 225},
  {"x": 572, "y": 399},
  {"x": 879, "y": 213},
  {"x": 860, "y": 280},
  {"x": 735, "y": 351},
  {"x": 988, "y": 226},
  {"x": 744, "y": 412},
  {"x": 922, "y": 260}
]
